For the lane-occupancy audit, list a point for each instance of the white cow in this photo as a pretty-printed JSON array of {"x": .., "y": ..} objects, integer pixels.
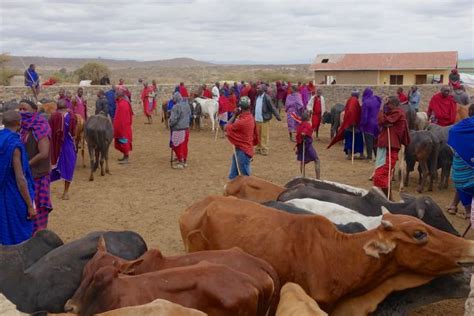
[
  {"x": 421, "y": 120},
  {"x": 209, "y": 107},
  {"x": 336, "y": 213}
]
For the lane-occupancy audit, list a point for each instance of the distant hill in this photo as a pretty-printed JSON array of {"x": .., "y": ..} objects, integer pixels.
[{"x": 48, "y": 63}]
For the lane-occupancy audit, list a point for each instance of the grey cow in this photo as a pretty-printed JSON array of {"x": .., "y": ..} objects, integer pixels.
[{"x": 99, "y": 135}]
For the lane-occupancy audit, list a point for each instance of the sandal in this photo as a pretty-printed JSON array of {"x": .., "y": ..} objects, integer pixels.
[{"x": 452, "y": 210}]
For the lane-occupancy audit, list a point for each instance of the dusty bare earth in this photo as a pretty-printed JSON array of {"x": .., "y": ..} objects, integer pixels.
[{"x": 147, "y": 196}]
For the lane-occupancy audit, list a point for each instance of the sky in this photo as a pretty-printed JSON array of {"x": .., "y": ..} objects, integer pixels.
[{"x": 238, "y": 31}]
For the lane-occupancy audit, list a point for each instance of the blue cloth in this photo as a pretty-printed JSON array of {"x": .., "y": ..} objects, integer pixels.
[
  {"x": 110, "y": 95},
  {"x": 461, "y": 139},
  {"x": 359, "y": 142},
  {"x": 244, "y": 164},
  {"x": 414, "y": 100},
  {"x": 170, "y": 105},
  {"x": 464, "y": 197},
  {"x": 14, "y": 224},
  {"x": 31, "y": 78},
  {"x": 259, "y": 108}
]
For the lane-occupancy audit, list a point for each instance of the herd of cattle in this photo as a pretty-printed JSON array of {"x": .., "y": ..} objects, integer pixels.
[{"x": 309, "y": 248}]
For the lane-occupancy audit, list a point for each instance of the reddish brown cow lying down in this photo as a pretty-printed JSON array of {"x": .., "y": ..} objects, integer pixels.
[
  {"x": 253, "y": 189},
  {"x": 332, "y": 267},
  {"x": 264, "y": 280}
]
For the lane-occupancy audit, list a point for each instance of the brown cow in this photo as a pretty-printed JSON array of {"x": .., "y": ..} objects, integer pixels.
[
  {"x": 253, "y": 189},
  {"x": 79, "y": 137},
  {"x": 153, "y": 260},
  {"x": 212, "y": 288},
  {"x": 295, "y": 302},
  {"x": 328, "y": 264},
  {"x": 462, "y": 112}
]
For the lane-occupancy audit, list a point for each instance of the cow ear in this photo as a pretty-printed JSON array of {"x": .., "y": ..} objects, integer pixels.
[
  {"x": 101, "y": 244},
  {"x": 387, "y": 225},
  {"x": 129, "y": 266},
  {"x": 420, "y": 207},
  {"x": 375, "y": 248}
]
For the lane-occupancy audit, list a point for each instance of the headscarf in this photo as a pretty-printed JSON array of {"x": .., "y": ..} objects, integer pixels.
[{"x": 36, "y": 123}]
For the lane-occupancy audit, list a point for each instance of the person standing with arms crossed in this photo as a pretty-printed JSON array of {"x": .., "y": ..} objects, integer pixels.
[{"x": 264, "y": 110}]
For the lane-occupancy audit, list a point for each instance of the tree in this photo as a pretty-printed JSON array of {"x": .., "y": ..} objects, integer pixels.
[{"x": 92, "y": 71}]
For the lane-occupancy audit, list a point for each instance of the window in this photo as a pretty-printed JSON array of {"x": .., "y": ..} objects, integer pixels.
[
  {"x": 324, "y": 61},
  {"x": 434, "y": 79},
  {"x": 420, "y": 79},
  {"x": 396, "y": 79}
]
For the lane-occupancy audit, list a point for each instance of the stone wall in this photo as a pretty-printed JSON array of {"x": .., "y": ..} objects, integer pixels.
[
  {"x": 90, "y": 93},
  {"x": 333, "y": 93}
]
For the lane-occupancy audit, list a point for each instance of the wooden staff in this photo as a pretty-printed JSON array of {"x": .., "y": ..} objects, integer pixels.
[
  {"x": 353, "y": 143},
  {"x": 389, "y": 163},
  {"x": 303, "y": 165},
  {"x": 236, "y": 161},
  {"x": 467, "y": 229}
]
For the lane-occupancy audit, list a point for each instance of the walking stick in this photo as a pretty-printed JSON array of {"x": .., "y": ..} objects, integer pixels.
[
  {"x": 467, "y": 229},
  {"x": 303, "y": 165},
  {"x": 353, "y": 143},
  {"x": 389, "y": 163},
  {"x": 217, "y": 127},
  {"x": 236, "y": 161}
]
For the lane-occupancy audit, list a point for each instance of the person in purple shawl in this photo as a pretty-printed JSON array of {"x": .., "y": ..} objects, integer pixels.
[
  {"x": 294, "y": 108},
  {"x": 304, "y": 94},
  {"x": 63, "y": 153},
  {"x": 368, "y": 120},
  {"x": 35, "y": 134}
]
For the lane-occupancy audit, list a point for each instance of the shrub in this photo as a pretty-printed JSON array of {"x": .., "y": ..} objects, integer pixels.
[{"x": 92, "y": 71}]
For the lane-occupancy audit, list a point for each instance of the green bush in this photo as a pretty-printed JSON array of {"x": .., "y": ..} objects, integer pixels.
[
  {"x": 92, "y": 71},
  {"x": 6, "y": 74}
]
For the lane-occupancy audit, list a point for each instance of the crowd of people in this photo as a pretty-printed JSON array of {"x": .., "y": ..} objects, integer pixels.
[{"x": 371, "y": 127}]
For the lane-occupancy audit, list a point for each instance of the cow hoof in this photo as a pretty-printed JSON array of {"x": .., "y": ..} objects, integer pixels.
[
  {"x": 91, "y": 178},
  {"x": 419, "y": 190}
]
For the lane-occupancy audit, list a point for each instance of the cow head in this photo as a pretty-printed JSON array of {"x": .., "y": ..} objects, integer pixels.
[
  {"x": 418, "y": 247},
  {"x": 101, "y": 259},
  {"x": 430, "y": 212}
]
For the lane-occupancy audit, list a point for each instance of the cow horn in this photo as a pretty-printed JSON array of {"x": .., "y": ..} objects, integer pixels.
[
  {"x": 385, "y": 210},
  {"x": 386, "y": 224}
]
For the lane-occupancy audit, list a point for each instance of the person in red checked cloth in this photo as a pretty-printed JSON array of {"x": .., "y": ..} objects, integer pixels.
[
  {"x": 242, "y": 134},
  {"x": 392, "y": 123}
]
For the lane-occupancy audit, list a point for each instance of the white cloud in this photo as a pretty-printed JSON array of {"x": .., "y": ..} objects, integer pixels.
[{"x": 263, "y": 31}]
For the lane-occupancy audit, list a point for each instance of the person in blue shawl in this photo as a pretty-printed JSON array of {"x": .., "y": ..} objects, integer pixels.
[
  {"x": 32, "y": 79},
  {"x": 110, "y": 95},
  {"x": 16, "y": 185},
  {"x": 461, "y": 140}
]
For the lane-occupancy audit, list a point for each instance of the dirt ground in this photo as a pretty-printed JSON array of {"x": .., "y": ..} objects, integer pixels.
[{"x": 147, "y": 196}]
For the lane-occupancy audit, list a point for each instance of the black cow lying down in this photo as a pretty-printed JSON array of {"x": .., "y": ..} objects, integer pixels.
[
  {"x": 423, "y": 207},
  {"x": 15, "y": 259},
  {"x": 326, "y": 185},
  {"x": 47, "y": 284}
]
